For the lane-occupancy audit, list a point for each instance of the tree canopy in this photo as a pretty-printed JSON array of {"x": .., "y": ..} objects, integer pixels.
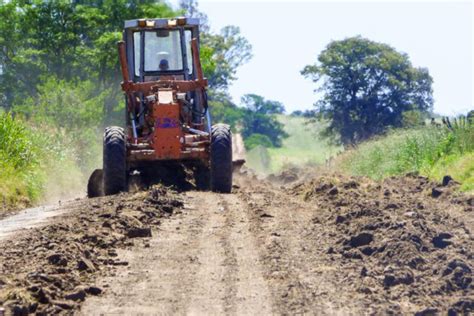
[
  {"x": 259, "y": 118},
  {"x": 68, "y": 40},
  {"x": 222, "y": 53},
  {"x": 366, "y": 87}
]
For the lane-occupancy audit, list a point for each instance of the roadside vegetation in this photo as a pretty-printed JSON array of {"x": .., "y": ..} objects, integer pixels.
[
  {"x": 433, "y": 151},
  {"x": 35, "y": 164},
  {"x": 375, "y": 103},
  {"x": 430, "y": 150},
  {"x": 18, "y": 162}
]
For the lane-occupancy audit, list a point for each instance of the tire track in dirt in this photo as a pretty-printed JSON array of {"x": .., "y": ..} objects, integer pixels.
[
  {"x": 159, "y": 274},
  {"x": 301, "y": 279},
  {"x": 252, "y": 294},
  {"x": 212, "y": 289},
  {"x": 204, "y": 261}
]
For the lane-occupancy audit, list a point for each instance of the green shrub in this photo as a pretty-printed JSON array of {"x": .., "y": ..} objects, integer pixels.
[
  {"x": 50, "y": 148},
  {"x": 413, "y": 118},
  {"x": 20, "y": 176}
]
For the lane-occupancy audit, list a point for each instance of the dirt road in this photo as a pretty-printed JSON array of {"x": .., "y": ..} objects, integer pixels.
[
  {"x": 225, "y": 254},
  {"x": 332, "y": 245},
  {"x": 204, "y": 261}
]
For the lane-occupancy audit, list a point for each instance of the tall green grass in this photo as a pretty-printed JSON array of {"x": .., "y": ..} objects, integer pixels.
[
  {"x": 40, "y": 163},
  {"x": 53, "y": 144},
  {"x": 20, "y": 175},
  {"x": 430, "y": 151}
]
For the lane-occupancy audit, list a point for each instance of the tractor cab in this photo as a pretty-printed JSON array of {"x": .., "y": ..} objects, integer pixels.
[
  {"x": 160, "y": 49},
  {"x": 161, "y": 65}
]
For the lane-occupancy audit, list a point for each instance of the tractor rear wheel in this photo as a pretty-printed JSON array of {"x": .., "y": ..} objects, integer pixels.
[
  {"x": 115, "y": 165},
  {"x": 221, "y": 158}
]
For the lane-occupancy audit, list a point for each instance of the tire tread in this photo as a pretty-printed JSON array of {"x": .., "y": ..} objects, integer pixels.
[{"x": 114, "y": 165}]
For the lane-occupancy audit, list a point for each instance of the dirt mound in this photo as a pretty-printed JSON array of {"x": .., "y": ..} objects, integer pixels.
[
  {"x": 52, "y": 269},
  {"x": 286, "y": 176},
  {"x": 294, "y": 174},
  {"x": 407, "y": 238}
]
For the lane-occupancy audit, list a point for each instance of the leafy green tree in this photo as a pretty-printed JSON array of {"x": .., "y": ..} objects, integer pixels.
[
  {"x": 230, "y": 51},
  {"x": 366, "y": 86},
  {"x": 69, "y": 111},
  {"x": 258, "y": 104},
  {"x": 70, "y": 41},
  {"x": 259, "y": 118},
  {"x": 470, "y": 116}
]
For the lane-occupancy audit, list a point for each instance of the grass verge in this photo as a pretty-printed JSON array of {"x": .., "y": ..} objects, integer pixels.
[
  {"x": 431, "y": 151},
  {"x": 38, "y": 164}
]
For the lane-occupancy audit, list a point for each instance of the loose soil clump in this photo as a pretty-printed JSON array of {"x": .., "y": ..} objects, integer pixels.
[
  {"x": 409, "y": 239},
  {"x": 52, "y": 269}
]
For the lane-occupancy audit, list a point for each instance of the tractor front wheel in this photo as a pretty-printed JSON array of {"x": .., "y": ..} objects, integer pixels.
[
  {"x": 115, "y": 165},
  {"x": 221, "y": 158}
]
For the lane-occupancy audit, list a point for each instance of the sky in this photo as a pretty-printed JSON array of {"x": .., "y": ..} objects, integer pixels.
[{"x": 287, "y": 35}]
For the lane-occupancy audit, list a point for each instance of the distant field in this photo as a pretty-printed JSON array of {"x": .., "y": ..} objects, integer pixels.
[{"x": 303, "y": 146}]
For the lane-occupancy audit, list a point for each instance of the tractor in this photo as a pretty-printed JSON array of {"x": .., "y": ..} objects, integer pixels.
[{"x": 167, "y": 120}]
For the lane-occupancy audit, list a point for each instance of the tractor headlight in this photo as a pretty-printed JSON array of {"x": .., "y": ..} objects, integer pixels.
[
  {"x": 146, "y": 23},
  {"x": 177, "y": 21}
]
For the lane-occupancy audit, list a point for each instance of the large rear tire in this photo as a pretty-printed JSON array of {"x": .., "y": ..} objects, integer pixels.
[
  {"x": 115, "y": 164},
  {"x": 221, "y": 158}
]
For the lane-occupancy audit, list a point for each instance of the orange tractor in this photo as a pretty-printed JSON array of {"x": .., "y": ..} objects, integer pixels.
[{"x": 167, "y": 123}]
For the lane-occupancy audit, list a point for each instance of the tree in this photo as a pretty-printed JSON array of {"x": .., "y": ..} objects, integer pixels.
[
  {"x": 366, "y": 86},
  {"x": 258, "y": 104},
  {"x": 71, "y": 41},
  {"x": 470, "y": 116},
  {"x": 224, "y": 52},
  {"x": 259, "y": 118},
  {"x": 191, "y": 9},
  {"x": 230, "y": 51}
]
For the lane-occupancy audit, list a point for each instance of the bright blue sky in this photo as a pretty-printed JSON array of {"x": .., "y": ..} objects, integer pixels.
[{"x": 287, "y": 35}]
